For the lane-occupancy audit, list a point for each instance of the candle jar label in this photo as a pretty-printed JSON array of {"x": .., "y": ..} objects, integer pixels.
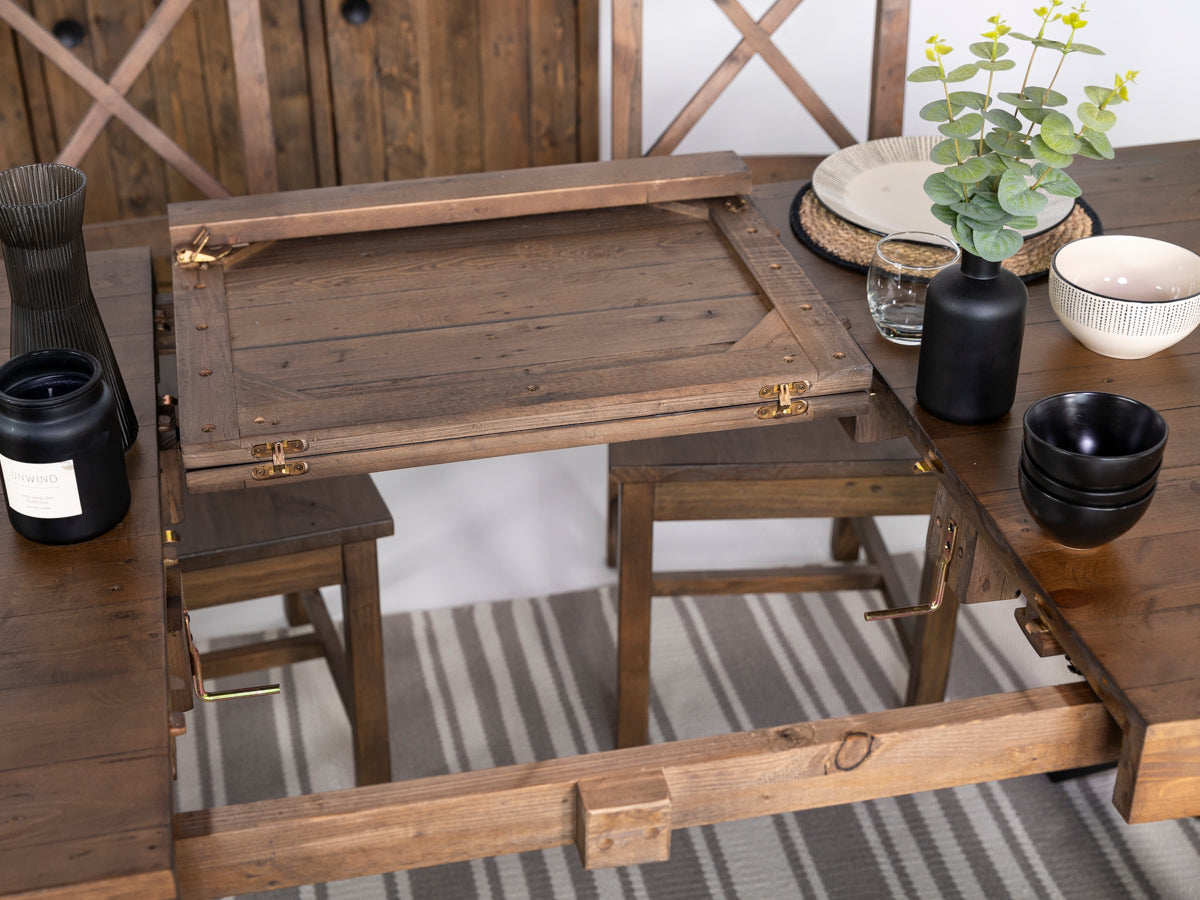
[{"x": 41, "y": 490}]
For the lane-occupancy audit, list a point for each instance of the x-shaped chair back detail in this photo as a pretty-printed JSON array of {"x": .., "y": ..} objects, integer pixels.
[
  {"x": 109, "y": 96},
  {"x": 887, "y": 75}
]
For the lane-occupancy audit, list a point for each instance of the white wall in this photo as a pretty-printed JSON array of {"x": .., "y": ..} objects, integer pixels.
[{"x": 829, "y": 42}]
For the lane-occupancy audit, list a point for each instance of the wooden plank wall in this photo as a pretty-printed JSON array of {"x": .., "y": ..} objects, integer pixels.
[{"x": 422, "y": 87}]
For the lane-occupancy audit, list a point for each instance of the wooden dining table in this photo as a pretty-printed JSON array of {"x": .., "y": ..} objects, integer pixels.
[{"x": 85, "y": 786}]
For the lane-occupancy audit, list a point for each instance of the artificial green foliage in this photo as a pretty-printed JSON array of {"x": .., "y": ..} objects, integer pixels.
[{"x": 999, "y": 164}]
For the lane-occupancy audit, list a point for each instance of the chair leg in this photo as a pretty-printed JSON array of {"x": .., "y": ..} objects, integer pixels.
[
  {"x": 635, "y": 542},
  {"x": 293, "y": 608},
  {"x": 929, "y": 657},
  {"x": 843, "y": 542},
  {"x": 610, "y": 523},
  {"x": 364, "y": 663}
]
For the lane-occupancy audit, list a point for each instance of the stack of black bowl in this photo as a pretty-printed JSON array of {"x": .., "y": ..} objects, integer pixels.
[{"x": 1089, "y": 465}]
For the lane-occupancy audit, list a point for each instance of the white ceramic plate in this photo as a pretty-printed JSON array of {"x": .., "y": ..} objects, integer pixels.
[{"x": 879, "y": 186}]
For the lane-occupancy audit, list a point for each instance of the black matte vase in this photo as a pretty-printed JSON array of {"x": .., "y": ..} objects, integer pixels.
[
  {"x": 41, "y": 229},
  {"x": 971, "y": 342}
]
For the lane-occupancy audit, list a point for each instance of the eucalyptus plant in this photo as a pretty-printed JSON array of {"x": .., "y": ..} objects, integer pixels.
[{"x": 999, "y": 164}]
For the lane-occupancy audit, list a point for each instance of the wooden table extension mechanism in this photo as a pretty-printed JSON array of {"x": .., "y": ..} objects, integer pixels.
[
  {"x": 377, "y": 326},
  {"x": 1109, "y": 609}
]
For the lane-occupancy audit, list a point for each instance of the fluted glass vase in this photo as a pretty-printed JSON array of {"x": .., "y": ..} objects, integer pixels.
[{"x": 41, "y": 230}]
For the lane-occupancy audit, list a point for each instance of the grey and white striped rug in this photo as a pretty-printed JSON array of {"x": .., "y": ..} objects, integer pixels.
[{"x": 520, "y": 680}]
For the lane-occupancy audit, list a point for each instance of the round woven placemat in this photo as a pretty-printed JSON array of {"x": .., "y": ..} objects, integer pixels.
[{"x": 830, "y": 236}]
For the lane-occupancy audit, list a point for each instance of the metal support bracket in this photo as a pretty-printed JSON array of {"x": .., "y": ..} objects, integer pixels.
[
  {"x": 948, "y": 538},
  {"x": 198, "y": 676}
]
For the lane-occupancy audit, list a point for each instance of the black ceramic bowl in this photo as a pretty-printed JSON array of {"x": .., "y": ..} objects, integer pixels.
[
  {"x": 1077, "y": 526},
  {"x": 1095, "y": 441},
  {"x": 1064, "y": 491}
]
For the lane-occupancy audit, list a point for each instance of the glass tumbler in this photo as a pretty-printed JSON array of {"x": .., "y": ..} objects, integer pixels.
[{"x": 901, "y": 268}]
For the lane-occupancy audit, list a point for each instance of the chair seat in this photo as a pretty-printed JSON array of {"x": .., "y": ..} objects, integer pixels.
[{"x": 230, "y": 527}]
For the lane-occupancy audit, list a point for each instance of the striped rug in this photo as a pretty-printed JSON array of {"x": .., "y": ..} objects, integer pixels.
[{"x": 529, "y": 679}]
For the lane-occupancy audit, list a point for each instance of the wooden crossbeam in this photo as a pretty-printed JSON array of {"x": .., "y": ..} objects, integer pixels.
[
  {"x": 720, "y": 79},
  {"x": 760, "y": 40},
  {"x": 618, "y": 805},
  {"x": 132, "y": 64},
  {"x": 109, "y": 97}
]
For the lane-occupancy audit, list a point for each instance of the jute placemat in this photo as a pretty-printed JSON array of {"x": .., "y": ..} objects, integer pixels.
[{"x": 832, "y": 237}]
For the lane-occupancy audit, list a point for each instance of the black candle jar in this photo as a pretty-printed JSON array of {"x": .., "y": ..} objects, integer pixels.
[{"x": 60, "y": 447}]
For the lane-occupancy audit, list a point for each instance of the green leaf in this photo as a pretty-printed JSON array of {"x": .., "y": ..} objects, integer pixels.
[
  {"x": 1059, "y": 133},
  {"x": 944, "y": 214},
  {"x": 981, "y": 209},
  {"x": 1097, "y": 94},
  {"x": 1049, "y": 44},
  {"x": 970, "y": 172},
  {"x": 965, "y": 72},
  {"x": 1000, "y": 65},
  {"x": 1016, "y": 165},
  {"x": 973, "y": 99},
  {"x": 1018, "y": 36},
  {"x": 962, "y": 127},
  {"x": 1087, "y": 48},
  {"x": 1023, "y": 223},
  {"x": 997, "y": 246},
  {"x": 1016, "y": 198},
  {"x": 925, "y": 73},
  {"x": 1002, "y": 118},
  {"x": 1005, "y": 144},
  {"x": 941, "y": 189},
  {"x": 1097, "y": 141},
  {"x": 1046, "y": 96},
  {"x": 1054, "y": 181},
  {"x": 938, "y": 111},
  {"x": 965, "y": 237},
  {"x": 948, "y": 153},
  {"x": 1047, "y": 154},
  {"x": 1096, "y": 118},
  {"x": 977, "y": 227},
  {"x": 1020, "y": 101},
  {"x": 1037, "y": 115},
  {"x": 983, "y": 49}
]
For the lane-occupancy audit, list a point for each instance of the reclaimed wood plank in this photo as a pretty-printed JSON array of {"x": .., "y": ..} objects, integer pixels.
[
  {"x": 453, "y": 76},
  {"x": 254, "y": 100},
  {"x": 356, "y": 95},
  {"x": 432, "y": 201},
  {"x": 404, "y": 92},
  {"x": 804, "y": 766},
  {"x": 507, "y": 106}
]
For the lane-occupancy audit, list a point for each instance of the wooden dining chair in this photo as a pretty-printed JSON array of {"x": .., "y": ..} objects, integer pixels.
[{"x": 801, "y": 469}]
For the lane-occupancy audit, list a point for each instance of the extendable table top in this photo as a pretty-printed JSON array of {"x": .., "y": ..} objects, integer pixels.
[{"x": 362, "y": 328}]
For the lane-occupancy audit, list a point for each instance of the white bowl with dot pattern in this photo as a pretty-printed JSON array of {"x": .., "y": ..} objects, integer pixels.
[{"x": 1126, "y": 296}]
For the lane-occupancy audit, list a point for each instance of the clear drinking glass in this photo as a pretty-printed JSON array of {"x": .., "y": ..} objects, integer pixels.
[{"x": 903, "y": 265}]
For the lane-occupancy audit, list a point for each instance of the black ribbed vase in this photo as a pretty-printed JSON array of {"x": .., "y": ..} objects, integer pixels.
[
  {"x": 971, "y": 342},
  {"x": 41, "y": 229}
]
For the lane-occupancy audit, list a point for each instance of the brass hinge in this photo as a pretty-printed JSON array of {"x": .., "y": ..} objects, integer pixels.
[
  {"x": 786, "y": 403},
  {"x": 279, "y": 467},
  {"x": 200, "y": 254}
]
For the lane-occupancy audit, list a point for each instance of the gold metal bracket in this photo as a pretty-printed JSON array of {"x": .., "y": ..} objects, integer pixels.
[
  {"x": 199, "y": 254},
  {"x": 198, "y": 676},
  {"x": 279, "y": 467},
  {"x": 786, "y": 403},
  {"x": 943, "y": 573}
]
